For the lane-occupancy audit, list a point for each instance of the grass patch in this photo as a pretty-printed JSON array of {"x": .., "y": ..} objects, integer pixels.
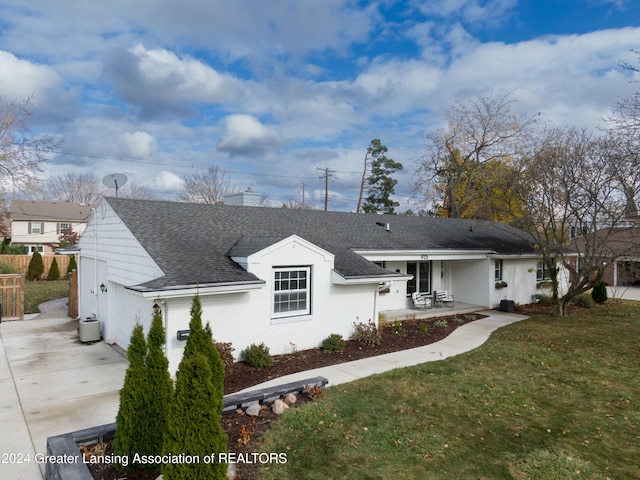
[
  {"x": 41, "y": 291},
  {"x": 546, "y": 398}
]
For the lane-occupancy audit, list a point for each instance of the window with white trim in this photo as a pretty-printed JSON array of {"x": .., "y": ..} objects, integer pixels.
[{"x": 291, "y": 291}]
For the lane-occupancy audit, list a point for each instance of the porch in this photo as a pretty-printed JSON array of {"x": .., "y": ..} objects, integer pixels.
[{"x": 456, "y": 308}]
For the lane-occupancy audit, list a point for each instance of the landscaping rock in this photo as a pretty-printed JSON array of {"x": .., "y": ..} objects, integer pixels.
[
  {"x": 279, "y": 407},
  {"x": 290, "y": 398},
  {"x": 253, "y": 410}
]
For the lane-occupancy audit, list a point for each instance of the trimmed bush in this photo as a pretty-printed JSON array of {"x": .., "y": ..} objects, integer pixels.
[
  {"x": 257, "y": 356},
  {"x": 599, "y": 293},
  {"x": 54, "y": 271},
  {"x": 367, "y": 334},
  {"x": 333, "y": 343},
  {"x": 583, "y": 300},
  {"x": 36, "y": 266}
]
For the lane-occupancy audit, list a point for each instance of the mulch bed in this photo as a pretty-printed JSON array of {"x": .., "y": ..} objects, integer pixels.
[{"x": 241, "y": 376}]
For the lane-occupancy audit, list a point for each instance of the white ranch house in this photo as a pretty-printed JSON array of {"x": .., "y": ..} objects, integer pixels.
[{"x": 281, "y": 276}]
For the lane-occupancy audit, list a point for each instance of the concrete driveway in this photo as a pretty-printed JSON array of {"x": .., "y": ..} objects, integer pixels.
[{"x": 51, "y": 384}]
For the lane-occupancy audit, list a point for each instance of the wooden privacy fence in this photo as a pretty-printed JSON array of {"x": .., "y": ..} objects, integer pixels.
[
  {"x": 12, "y": 296},
  {"x": 21, "y": 262}
]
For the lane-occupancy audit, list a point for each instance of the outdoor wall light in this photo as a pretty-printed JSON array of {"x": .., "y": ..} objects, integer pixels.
[
  {"x": 103, "y": 288},
  {"x": 183, "y": 334},
  {"x": 156, "y": 308}
]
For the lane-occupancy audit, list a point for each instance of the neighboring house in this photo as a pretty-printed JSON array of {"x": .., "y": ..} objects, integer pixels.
[
  {"x": 621, "y": 253},
  {"x": 285, "y": 277},
  {"x": 37, "y": 225}
]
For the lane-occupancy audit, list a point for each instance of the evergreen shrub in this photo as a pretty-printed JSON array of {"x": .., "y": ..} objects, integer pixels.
[
  {"x": 36, "y": 266},
  {"x": 334, "y": 343},
  {"x": 599, "y": 293},
  {"x": 54, "y": 271},
  {"x": 257, "y": 356}
]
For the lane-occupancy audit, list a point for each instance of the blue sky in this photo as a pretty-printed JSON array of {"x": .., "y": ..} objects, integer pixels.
[{"x": 272, "y": 91}]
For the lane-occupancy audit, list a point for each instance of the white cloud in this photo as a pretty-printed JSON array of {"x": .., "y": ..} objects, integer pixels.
[
  {"x": 138, "y": 144},
  {"x": 167, "y": 182},
  {"x": 160, "y": 82},
  {"x": 245, "y": 135}
]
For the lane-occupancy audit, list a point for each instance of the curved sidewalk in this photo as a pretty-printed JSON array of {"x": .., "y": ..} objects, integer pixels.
[{"x": 463, "y": 339}]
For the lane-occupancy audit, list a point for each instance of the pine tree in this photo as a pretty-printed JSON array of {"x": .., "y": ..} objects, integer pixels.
[
  {"x": 131, "y": 414},
  {"x": 54, "y": 271},
  {"x": 193, "y": 426},
  {"x": 36, "y": 266},
  {"x": 160, "y": 390},
  {"x": 380, "y": 183}
]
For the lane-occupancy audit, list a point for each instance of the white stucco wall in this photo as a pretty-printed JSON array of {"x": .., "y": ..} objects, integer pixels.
[
  {"x": 245, "y": 318},
  {"x": 520, "y": 275}
]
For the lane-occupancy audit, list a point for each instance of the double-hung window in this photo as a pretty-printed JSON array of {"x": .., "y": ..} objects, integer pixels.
[{"x": 291, "y": 291}]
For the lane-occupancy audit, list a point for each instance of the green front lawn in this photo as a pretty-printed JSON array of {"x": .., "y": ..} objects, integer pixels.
[
  {"x": 41, "y": 291},
  {"x": 547, "y": 398}
]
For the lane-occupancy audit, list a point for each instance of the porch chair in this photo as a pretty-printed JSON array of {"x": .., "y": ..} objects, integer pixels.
[
  {"x": 444, "y": 298},
  {"x": 421, "y": 300}
]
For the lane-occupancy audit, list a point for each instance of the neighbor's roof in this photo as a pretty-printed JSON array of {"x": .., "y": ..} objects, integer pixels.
[
  {"x": 49, "y": 211},
  {"x": 193, "y": 243}
]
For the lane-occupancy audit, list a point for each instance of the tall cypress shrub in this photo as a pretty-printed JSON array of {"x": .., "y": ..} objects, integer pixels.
[
  {"x": 36, "y": 266},
  {"x": 193, "y": 426},
  {"x": 200, "y": 340},
  {"x": 131, "y": 417},
  {"x": 160, "y": 390}
]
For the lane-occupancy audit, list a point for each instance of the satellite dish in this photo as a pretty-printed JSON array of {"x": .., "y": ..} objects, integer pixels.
[{"x": 114, "y": 180}]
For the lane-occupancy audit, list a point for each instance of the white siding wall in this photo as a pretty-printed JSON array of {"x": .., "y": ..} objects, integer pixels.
[{"x": 121, "y": 262}]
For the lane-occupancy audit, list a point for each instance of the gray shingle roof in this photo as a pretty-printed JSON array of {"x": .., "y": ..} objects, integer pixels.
[
  {"x": 193, "y": 243},
  {"x": 49, "y": 211}
]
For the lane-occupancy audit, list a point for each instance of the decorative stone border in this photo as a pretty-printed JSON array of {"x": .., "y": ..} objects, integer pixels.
[{"x": 72, "y": 467}]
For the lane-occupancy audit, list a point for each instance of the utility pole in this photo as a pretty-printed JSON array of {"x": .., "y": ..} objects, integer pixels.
[
  {"x": 302, "y": 194},
  {"x": 326, "y": 186}
]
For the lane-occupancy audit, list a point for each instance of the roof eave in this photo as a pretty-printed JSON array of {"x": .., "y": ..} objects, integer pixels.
[{"x": 181, "y": 291}]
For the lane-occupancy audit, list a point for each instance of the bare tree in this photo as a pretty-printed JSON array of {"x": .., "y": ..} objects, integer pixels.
[
  {"x": 207, "y": 187},
  {"x": 74, "y": 187},
  {"x": 455, "y": 172},
  {"x": 574, "y": 209},
  {"x": 136, "y": 191},
  {"x": 22, "y": 153}
]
